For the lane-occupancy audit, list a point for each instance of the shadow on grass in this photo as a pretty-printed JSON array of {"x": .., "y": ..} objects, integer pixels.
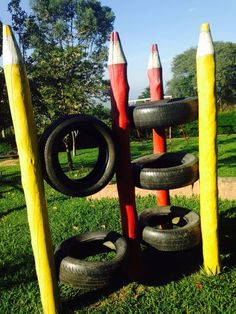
[
  {"x": 18, "y": 272},
  {"x": 86, "y": 298},
  {"x": 227, "y": 238},
  {"x": 8, "y": 211},
  {"x": 10, "y": 181},
  {"x": 163, "y": 267},
  {"x": 159, "y": 268}
]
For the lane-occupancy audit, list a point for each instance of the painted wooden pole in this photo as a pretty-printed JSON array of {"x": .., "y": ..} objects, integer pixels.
[
  {"x": 32, "y": 182},
  {"x": 208, "y": 150},
  {"x": 117, "y": 67},
  {"x": 156, "y": 93}
]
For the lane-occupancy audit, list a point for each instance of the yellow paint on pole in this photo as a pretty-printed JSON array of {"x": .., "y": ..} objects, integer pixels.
[
  {"x": 32, "y": 182},
  {"x": 208, "y": 150}
]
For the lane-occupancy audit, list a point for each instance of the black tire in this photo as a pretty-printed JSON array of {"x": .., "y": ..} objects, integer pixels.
[
  {"x": 73, "y": 270},
  {"x": 42, "y": 143},
  {"x": 165, "y": 171},
  {"x": 187, "y": 234},
  {"x": 105, "y": 165},
  {"x": 164, "y": 113}
]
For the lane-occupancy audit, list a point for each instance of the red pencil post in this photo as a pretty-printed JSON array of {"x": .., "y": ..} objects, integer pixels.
[
  {"x": 156, "y": 93},
  {"x": 117, "y": 67}
]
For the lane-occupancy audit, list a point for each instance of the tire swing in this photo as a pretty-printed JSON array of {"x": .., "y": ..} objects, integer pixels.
[
  {"x": 89, "y": 129},
  {"x": 74, "y": 257},
  {"x": 166, "y": 228}
]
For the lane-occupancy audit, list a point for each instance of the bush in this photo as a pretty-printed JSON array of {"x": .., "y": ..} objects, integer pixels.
[
  {"x": 226, "y": 125},
  {"x": 7, "y": 145}
]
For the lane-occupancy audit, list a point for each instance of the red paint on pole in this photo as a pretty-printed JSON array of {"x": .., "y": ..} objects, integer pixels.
[
  {"x": 156, "y": 93},
  {"x": 117, "y": 67}
]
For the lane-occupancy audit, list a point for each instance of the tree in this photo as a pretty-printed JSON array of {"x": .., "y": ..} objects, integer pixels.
[
  {"x": 68, "y": 53},
  {"x": 19, "y": 17},
  {"x": 5, "y": 121},
  {"x": 184, "y": 83},
  {"x": 145, "y": 93}
]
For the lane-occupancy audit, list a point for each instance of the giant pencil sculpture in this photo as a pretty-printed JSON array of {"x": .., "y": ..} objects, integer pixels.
[
  {"x": 156, "y": 93},
  {"x": 32, "y": 182},
  {"x": 207, "y": 150},
  {"x": 117, "y": 67}
]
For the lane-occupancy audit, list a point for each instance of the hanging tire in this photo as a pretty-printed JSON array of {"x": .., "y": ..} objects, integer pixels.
[
  {"x": 170, "y": 228},
  {"x": 73, "y": 270},
  {"x": 42, "y": 143},
  {"x": 104, "y": 167},
  {"x": 164, "y": 113},
  {"x": 165, "y": 171}
]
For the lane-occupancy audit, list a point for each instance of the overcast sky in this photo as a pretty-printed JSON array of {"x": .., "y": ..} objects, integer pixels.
[{"x": 173, "y": 25}]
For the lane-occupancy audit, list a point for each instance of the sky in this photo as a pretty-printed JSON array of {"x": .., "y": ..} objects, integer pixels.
[{"x": 174, "y": 25}]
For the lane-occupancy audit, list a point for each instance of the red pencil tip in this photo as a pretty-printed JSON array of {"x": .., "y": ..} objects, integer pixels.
[
  {"x": 114, "y": 36},
  {"x": 154, "y": 59},
  {"x": 154, "y": 48}
]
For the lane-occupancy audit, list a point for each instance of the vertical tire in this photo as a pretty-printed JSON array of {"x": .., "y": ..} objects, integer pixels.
[{"x": 104, "y": 168}]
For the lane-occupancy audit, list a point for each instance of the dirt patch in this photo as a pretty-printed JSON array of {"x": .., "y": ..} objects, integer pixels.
[
  {"x": 8, "y": 162},
  {"x": 226, "y": 188}
]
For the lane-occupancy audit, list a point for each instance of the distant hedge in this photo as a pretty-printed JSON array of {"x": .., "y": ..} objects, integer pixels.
[{"x": 226, "y": 125}]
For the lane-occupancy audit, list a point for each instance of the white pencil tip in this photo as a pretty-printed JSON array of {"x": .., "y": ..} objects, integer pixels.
[
  {"x": 116, "y": 54},
  {"x": 154, "y": 58}
]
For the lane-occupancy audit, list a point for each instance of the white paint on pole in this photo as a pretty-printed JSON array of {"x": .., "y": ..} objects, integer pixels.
[
  {"x": 205, "y": 43},
  {"x": 116, "y": 54},
  {"x": 154, "y": 58},
  {"x": 11, "y": 53}
]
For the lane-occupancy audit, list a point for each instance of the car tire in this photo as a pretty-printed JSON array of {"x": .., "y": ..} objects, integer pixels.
[
  {"x": 74, "y": 271},
  {"x": 164, "y": 113},
  {"x": 104, "y": 168},
  {"x": 165, "y": 171},
  {"x": 186, "y": 235}
]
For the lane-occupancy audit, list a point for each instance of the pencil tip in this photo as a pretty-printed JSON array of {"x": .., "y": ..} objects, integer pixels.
[
  {"x": 205, "y": 27},
  {"x": 116, "y": 54}
]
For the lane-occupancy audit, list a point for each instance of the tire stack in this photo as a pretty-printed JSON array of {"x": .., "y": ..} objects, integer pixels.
[
  {"x": 70, "y": 256},
  {"x": 167, "y": 228}
]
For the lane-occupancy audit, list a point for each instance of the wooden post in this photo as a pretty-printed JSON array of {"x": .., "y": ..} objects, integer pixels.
[
  {"x": 156, "y": 93},
  {"x": 208, "y": 150},
  {"x": 117, "y": 67},
  {"x": 31, "y": 176}
]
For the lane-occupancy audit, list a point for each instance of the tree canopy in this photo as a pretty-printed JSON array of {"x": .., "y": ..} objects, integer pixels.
[
  {"x": 184, "y": 82},
  {"x": 63, "y": 43}
]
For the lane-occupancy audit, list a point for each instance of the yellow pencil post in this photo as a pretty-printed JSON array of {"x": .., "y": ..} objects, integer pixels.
[
  {"x": 32, "y": 182},
  {"x": 208, "y": 150}
]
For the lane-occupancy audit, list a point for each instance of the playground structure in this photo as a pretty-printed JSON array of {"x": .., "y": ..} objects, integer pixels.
[{"x": 25, "y": 130}]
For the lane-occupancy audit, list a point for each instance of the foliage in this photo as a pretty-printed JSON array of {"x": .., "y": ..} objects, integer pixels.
[
  {"x": 19, "y": 17},
  {"x": 64, "y": 46},
  {"x": 225, "y": 144},
  {"x": 5, "y": 121},
  {"x": 145, "y": 94},
  {"x": 183, "y": 83}
]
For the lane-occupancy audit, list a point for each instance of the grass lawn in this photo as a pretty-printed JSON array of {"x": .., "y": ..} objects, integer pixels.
[
  {"x": 226, "y": 151},
  {"x": 176, "y": 282},
  {"x": 85, "y": 159}
]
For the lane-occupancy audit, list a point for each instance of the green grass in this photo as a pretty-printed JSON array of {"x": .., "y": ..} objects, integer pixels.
[
  {"x": 85, "y": 159},
  {"x": 175, "y": 282},
  {"x": 83, "y": 162},
  {"x": 225, "y": 145}
]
